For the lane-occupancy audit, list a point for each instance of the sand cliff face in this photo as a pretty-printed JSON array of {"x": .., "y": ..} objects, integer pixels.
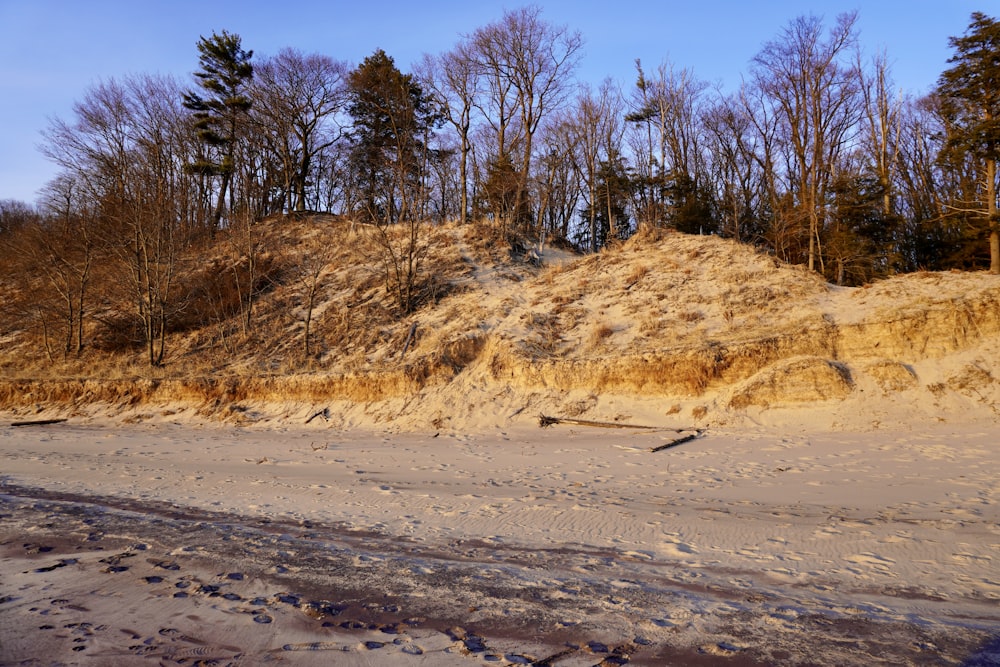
[{"x": 684, "y": 325}]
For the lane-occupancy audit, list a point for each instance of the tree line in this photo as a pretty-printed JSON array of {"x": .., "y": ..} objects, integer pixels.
[{"x": 815, "y": 158}]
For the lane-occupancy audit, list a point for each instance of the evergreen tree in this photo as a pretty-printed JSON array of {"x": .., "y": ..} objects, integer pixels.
[
  {"x": 392, "y": 120},
  {"x": 970, "y": 92},
  {"x": 224, "y": 78}
]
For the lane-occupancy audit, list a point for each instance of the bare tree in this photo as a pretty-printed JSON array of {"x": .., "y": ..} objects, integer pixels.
[
  {"x": 556, "y": 178},
  {"x": 737, "y": 174},
  {"x": 125, "y": 152},
  {"x": 297, "y": 98},
  {"x": 67, "y": 247},
  {"x": 815, "y": 98},
  {"x": 312, "y": 268},
  {"x": 667, "y": 108},
  {"x": 526, "y": 64},
  {"x": 452, "y": 79},
  {"x": 882, "y": 125},
  {"x": 596, "y": 132}
]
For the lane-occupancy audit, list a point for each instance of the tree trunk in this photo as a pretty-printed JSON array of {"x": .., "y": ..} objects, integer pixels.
[{"x": 991, "y": 212}]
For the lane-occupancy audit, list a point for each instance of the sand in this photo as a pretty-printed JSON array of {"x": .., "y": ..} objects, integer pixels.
[{"x": 174, "y": 542}]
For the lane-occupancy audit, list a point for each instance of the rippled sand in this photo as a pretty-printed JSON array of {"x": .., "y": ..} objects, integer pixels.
[{"x": 562, "y": 546}]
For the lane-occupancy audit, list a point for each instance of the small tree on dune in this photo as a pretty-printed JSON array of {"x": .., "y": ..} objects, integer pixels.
[{"x": 219, "y": 109}]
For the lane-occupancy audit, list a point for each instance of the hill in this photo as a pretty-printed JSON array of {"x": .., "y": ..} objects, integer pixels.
[{"x": 665, "y": 329}]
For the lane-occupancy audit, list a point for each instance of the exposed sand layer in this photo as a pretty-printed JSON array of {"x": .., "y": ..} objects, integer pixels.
[
  {"x": 697, "y": 327},
  {"x": 174, "y": 543}
]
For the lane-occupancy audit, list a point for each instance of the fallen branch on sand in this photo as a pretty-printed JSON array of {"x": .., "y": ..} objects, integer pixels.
[
  {"x": 543, "y": 421},
  {"x": 324, "y": 413},
  {"x": 38, "y": 422},
  {"x": 409, "y": 339},
  {"x": 678, "y": 441}
]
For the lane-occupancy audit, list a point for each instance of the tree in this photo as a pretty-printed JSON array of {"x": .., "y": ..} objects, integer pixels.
[
  {"x": 452, "y": 77},
  {"x": 526, "y": 64},
  {"x": 669, "y": 106},
  {"x": 860, "y": 239},
  {"x": 557, "y": 180},
  {"x": 596, "y": 135},
  {"x": 68, "y": 248},
  {"x": 970, "y": 91},
  {"x": 735, "y": 171},
  {"x": 124, "y": 154},
  {"x": 815, "y": 100},
  {"x": 14, "y": 215},
  {"x": 296, "y": 98},
  {"x": 392, "y": 117},
  {"x": 882, "y": 127},
  {"x": 224, "y": 78},
  {"x": 393, "y": 121},
  {"x": 609, "y": 211}
]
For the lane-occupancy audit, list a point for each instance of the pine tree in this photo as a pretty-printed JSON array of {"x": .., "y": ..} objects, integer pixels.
[
  {"x": 392, "y": 119},
  {"x": 970, "y": 92},
  {"x": 224, "y": 77}
]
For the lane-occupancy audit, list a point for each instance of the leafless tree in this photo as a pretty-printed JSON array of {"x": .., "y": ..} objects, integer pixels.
[
  {"x": 526, "y": 65},
  {"x": 296, "y": 101},
  {"x": 881, "y": 125},
  {"x": 125, "y": 152},
  {"x": 452, "y": 78},
  {"x": 738, "y": 178},
  {"x": 556, "y": 178},
  {"x": 667, "y": 110},
  {"x": 815, "y": 98},
  {"x": 596, "y": 131}
]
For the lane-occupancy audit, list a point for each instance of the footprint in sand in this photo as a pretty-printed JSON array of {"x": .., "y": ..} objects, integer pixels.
[
  {"x": 965, "y": 557},
  {"x": 678, "y": 549},
  {"x": 875, "y": 561}
]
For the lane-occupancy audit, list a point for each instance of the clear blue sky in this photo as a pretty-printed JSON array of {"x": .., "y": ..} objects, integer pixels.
[{"x": 51, "y": 51}]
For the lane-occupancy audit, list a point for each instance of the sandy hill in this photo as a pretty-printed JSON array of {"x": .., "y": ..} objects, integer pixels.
[{"x": 666, "y": 329}]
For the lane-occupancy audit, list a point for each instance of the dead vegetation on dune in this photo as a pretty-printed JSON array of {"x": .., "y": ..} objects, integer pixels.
[{"x": 664, "y": 314}]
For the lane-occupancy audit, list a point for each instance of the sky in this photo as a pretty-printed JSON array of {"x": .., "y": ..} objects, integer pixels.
[{"x": 53, "y": 51}]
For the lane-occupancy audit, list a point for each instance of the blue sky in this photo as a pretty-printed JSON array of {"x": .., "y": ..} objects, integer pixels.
[{"x": 52, "y": 51}]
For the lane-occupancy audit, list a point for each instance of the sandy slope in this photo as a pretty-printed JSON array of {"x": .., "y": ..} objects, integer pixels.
[{"x": 841, "y": 506}]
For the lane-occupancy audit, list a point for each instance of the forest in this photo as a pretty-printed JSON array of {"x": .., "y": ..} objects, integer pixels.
[{"x": 817, "y": 159}]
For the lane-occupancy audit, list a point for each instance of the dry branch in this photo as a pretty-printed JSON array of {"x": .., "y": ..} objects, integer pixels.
[
  {"x": 544, "y": 420},
  {"x": 38, "y": 422},
  {"x": 678, "y": 441},
  {"x": 324, "y": 413},
  {"x": 409, "y": 339}
]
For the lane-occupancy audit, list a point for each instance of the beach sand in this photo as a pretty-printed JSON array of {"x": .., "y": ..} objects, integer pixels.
[{"x": 199, "y": 543}]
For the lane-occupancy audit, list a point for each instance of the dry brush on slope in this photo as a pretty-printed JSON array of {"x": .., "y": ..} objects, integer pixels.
[{"x": 664, "y": 315}]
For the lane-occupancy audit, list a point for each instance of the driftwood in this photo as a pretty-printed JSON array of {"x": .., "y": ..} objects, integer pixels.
[
  {"x": 38, "y": 422},
  {"x": 543, "y": 421},
  {"x": 409, "y": 339},
  {"x": 324, "y": 413},
  {"x": 693, "y": 433},
  {"x": 678, "y": 441}
]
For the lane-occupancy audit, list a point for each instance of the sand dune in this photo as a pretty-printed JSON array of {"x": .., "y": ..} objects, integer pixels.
[{"x": 841, "y": 504}]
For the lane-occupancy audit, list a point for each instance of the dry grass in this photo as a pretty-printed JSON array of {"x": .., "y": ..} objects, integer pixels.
[
  {"x": 664, "y": 314},
  {"x": 599, "y": 334}
]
